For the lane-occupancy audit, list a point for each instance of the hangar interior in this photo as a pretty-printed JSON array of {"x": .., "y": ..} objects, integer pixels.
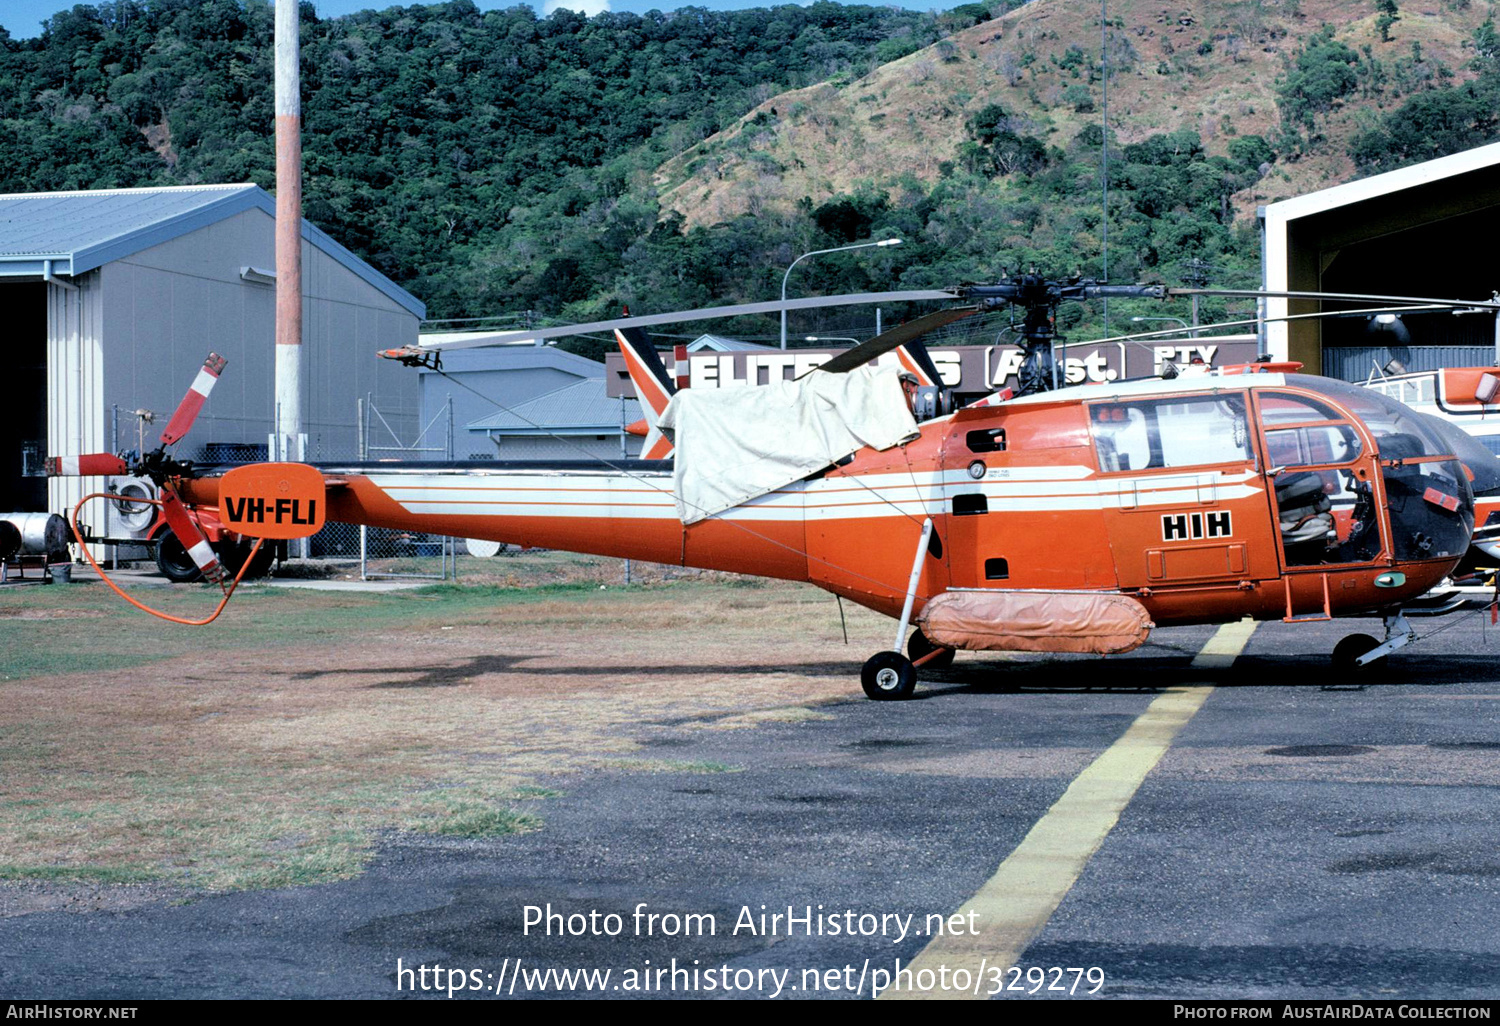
[
  {"x": 1416, "y": 231},
  {"x": 23, "y": 415}
]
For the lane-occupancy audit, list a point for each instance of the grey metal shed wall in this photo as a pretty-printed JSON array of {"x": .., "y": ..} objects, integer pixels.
[
  {"x": 166, "y": 307},
  {"x": 1356, "y": 363},
  {"x": 347, "y": 320},
  {"x": 545, "y": 447}
]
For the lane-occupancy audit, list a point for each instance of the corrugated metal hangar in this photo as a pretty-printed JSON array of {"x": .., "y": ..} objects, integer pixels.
[
  {"x": 1416, "y": 231},
  {"x": 114, "y": 298}
]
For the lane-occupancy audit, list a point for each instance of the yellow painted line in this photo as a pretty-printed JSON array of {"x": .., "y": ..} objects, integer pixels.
[
  {"x": 1014, "y": 904},
  {"x": 1226, "y": 644}
]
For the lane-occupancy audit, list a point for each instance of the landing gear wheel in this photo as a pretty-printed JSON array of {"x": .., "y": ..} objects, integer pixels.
[
  {"x": 234, "y": 555},
  {"x": 887, "y": 676},
  {"x": 1350, "y": 649},
  {"x": 919, "y": 645},
  {"x": 173, "y": 560}
]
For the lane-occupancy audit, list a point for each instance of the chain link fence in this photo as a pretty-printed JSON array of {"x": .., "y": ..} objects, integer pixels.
[{"x": 341, "y": 549}]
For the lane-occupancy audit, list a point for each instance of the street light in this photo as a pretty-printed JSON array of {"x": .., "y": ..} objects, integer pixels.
[
  {"x": 819, "y": 252},
  {"x": 830, "y": 338}
]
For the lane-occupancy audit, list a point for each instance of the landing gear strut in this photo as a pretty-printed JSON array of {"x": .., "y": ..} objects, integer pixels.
[
  {"x": 1360, "y": 653},
  {"x": 919, "y": 648},
  {"x": 890, "y": 675}
]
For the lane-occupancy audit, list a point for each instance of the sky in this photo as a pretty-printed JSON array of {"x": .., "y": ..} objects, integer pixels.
[{"x": 23, "y": 18}]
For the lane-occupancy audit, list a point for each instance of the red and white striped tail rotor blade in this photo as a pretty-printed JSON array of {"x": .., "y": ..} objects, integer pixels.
[
  {"x": 197, "y": 394},
  {"x": 90, "y": 465},
  {"x": 186, "y": 529}
]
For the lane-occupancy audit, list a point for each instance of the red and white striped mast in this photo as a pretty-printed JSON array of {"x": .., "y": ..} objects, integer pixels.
[{"x": 288, "y": 233}]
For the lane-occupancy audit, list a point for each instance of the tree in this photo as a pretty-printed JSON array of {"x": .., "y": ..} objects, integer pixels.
[
  {"x": 1323, "y": 73},
  {"x": 1386, "y": 17}
]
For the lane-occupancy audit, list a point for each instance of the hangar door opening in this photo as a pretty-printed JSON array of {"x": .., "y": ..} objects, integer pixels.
[
  {"x": 23, "y": 410},
  {"x": 1433, "y": 259}
]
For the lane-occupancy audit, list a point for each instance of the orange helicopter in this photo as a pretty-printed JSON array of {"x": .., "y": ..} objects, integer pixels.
[{"x": 1064, "y": 520}]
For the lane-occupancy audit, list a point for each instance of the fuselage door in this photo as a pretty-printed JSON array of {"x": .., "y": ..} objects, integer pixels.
[{"x": 1182, "y": 490}]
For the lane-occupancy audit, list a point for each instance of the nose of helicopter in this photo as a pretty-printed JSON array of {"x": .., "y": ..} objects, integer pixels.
[{"x": 1379, "y": 462}]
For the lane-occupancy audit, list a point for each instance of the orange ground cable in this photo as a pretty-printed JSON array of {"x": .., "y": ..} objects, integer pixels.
[{"x": 83, "y": 547}]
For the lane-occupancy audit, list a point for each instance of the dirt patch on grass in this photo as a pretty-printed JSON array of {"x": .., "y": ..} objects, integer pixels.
[
  {"x": 22, "y": 613},
  {"x": 272, "y": 752}
]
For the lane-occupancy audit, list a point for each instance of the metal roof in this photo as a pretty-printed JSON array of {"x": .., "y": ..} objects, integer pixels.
[
  {"x": 71, "y": 233},
  {"x": 1424, "y": 173},
  {"x": 721, "y": 344},
  {"x": 579, "y": 408}
]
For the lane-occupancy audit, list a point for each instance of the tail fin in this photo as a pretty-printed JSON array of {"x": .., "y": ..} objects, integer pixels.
[
  {"x": 653, "y": 387},
  {"x": 916, "y": 360}
]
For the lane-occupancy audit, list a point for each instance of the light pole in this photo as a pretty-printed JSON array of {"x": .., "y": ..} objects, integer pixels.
[
  {"x": 830, "y": 338},
  {"x": 819, "y": 252}
]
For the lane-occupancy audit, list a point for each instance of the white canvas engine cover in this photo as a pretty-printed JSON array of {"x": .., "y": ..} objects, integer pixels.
[{"x": 733, "y": 444}]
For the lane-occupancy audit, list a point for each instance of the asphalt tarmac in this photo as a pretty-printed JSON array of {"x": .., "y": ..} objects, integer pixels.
[{"x": 1292, "y": 842}]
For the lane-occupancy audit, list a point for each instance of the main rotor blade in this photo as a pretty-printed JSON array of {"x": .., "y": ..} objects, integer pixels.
[
  {"x": 899, "y": 335},
  {"x": 1350, "y": 297},
  {"x": 503, "y": 338},
  {"x": 197, "y": 393},
  {"x": 186, "y": 529},
  {"x": 90, "y": 465}
]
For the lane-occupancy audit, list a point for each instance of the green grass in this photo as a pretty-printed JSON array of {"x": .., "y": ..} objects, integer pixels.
[
  {"x": 123, "y": 874},
  {"x": 476, "y": 812},
  {"x": 256, "y": 618}
]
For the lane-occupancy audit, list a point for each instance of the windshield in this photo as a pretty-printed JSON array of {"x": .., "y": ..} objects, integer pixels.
[
  {"x": 1400, "y": 433},
  {"x": 1431, "y": 507},
  {"x": 1328, "y": 513}
]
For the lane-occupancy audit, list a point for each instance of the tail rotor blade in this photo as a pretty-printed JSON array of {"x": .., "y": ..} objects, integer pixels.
[
  {"x": 102, "y": 464},
  {"x": 897, "y": 336},
  {"x": 187, "y": 410},
  {"x": 186, "y": 529}
]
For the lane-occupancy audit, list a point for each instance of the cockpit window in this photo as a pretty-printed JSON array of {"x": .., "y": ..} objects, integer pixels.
[
  {"x": 1151, "y": 434},
  {"x": 1431, "y": 507},
  {"x": 1277, "y": 409},
  {"x": 1313, "y": 444}
]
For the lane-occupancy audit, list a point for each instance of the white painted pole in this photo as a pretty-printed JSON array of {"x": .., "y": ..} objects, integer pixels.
[{"x": 288, "y": 232}]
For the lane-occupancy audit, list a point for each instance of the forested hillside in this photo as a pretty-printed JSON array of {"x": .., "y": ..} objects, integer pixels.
[{"x": 496, "y": 162}]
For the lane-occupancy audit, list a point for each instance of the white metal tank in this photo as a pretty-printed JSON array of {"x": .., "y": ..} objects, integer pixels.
[{"x": 41, "y": 534}]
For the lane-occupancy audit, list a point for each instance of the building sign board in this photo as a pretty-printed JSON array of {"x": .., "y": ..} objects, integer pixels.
[{"x": 970, "y": 370}]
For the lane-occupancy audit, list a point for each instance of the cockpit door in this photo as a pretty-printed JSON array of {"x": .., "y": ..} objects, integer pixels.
[
  {"x": 1322, "y": 483},
  {"x": 1182, "y": 490}
]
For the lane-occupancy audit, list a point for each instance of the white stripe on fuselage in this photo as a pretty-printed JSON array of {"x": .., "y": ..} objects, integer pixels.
[{"x": 650, "y": 496}]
